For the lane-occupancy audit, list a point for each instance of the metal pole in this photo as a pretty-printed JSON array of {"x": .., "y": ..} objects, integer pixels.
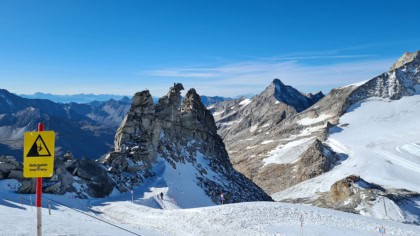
[
  {"x": 386, "y": 213},
  {"x": 30, "y": 199},
  {"x": 39, "y": 196},
  {"x": 132, "y": 196}
]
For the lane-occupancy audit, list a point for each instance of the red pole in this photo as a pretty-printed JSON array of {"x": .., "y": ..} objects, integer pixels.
[{"x": 39, "y": 195}]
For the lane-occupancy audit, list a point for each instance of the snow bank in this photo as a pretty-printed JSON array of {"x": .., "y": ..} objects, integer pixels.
[
  {"x": 288, "y": 153},
  {"x": 310, "y": 121}
]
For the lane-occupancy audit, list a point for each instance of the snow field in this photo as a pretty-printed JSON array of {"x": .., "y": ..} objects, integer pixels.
[
  {"x": 380, "y": 143},
  {"x": 289, "y": 152},
  {"x": 147, "y": 215}
]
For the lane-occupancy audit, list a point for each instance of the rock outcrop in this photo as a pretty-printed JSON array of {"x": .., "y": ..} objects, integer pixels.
[
  {"x": 172, "y": 135},
  {"x": 356, "y": 195},
  {"x": 10, "y": 168},
  {"x": 84, "y": 178},
  {"x": 316, "y": 160}
]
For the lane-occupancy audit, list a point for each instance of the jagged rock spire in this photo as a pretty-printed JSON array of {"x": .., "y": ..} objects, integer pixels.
[
  {"x": 170, "y": 135},
  {"x": 169, "y": 103},
  {"x": 193, "y": 107}
]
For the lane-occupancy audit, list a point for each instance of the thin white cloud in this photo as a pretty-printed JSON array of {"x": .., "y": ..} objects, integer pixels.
[{"x": 253, "y": 76}]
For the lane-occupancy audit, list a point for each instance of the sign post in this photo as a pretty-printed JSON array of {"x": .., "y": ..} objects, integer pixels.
[
  {"x": 39, "y": 196},
  {"x": 301, "y": 223},
  {"x": 382, "y": 230},
  {"x": 38, "y": 162}
]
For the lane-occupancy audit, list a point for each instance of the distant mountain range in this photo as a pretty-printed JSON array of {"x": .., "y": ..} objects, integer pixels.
[
  {"x": 77, "y": 98},
  {"x": 95, "y": 98},
  {"x": 84, "y": 129}
]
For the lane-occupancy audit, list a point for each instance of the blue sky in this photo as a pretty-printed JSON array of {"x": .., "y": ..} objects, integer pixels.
[{"x": 219, "y": 47}]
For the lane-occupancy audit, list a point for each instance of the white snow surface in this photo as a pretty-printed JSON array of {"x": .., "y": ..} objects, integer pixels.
[
  {"x": 217, "y": 113},
  {"x": 382, "y": 145},
  {"x": 357, "y": 84},
  {"x": 245, "y": 102},
  {"x": 267, "y": 141},
  {"x": 253, "y": 128},
  {"x": 142, "y": 217},
  {"x": 310, "y": 121},
  {"x": 287, "y": 153}
]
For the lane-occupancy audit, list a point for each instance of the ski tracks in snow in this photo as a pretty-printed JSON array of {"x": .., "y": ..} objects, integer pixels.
[{"x": 398, "y": 159}]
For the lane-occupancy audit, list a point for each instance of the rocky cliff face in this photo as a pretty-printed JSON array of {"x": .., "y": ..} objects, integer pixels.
[
  {"x": 161, "y": 138},
  {"x": 402, "y": 80}
]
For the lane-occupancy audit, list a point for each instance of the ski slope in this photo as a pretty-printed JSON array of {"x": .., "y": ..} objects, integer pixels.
[{"x": 149, "y": 215}]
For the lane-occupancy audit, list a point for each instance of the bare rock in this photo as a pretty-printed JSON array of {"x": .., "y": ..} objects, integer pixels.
[
  {"x": 68, "y": 156},
  {"x": 28, "y": 186},
  {"x": 96, "y": 177},
  {"x": 15, "y": 174}
]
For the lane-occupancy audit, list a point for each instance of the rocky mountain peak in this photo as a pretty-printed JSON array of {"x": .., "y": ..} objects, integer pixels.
[
  {"x": 169, "y": 137},
  {"x": 170, "y": 102},
  {"x": 316, "y": 96},
  {"x": 276, "y": 87},
  {"x": 406, "y": 58},
  {"x": 290, "y": 96},
  {"x": 193, "y": 110},
  {"x": 276, "y": 82},
  {"x": 192, "y": 102},
  {"x": 143, "y": 98}
]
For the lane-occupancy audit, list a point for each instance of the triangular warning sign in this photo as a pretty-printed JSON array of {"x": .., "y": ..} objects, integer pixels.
[{"x": 39, "y": 149}]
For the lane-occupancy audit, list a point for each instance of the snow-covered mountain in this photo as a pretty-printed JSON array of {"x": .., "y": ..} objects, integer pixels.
[
  {"x": 361, "y": 139},
  {"x": 236, "y": 116},
  {"x": 76, "y": 98}
]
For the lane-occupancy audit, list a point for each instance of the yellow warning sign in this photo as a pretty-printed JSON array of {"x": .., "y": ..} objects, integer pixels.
[{"x": 38, "y": 154}]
